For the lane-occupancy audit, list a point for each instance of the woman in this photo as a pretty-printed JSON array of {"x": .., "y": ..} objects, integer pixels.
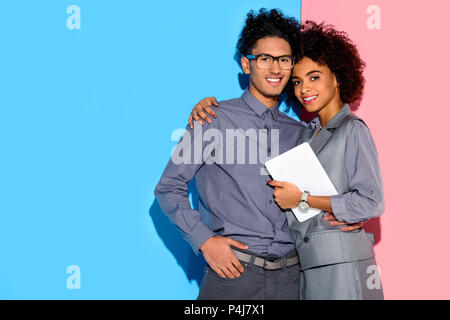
[{"x": 327, "y": 77}]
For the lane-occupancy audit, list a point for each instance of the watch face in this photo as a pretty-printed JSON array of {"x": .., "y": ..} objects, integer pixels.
[{"x": 303, "y": 207}]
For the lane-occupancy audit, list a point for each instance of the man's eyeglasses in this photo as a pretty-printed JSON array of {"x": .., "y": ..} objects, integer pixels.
[{"x": 265, "y": 61}]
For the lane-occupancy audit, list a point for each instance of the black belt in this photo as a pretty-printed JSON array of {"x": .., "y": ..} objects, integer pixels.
[{"x": 264, "y": 263}]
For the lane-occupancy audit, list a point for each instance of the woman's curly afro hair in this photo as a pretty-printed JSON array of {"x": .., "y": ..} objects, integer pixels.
[
  {"x": 266, "y": 24},
  {"x": 325, "y": 45}
]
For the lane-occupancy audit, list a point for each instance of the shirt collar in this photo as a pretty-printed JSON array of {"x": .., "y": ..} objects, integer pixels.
[{"x": 257, "y": 106}]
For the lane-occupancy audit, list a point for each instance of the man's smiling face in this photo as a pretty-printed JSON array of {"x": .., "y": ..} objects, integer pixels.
[{"x": 267, "y": 84}]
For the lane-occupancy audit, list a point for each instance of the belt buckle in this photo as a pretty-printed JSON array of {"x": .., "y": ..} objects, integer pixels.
[
  {"x": 283, "y": 262},
  {"x": 264, "y": 265}
]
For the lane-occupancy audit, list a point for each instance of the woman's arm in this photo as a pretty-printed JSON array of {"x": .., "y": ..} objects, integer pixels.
[
  {"x": 366, "y": 198},
  {"x": 198, "y": 112},
  {"x": 288, "y": 196},
  {"x": 320, "y": 202}
]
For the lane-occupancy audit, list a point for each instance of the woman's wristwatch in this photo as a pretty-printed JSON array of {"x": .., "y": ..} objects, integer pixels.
[{"x": 303, "y": 205}]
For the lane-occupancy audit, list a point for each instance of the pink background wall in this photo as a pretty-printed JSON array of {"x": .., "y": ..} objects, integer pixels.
[{"x": 406, "y": 108}]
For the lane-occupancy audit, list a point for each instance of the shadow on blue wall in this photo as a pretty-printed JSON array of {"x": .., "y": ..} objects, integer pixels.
[{"x": 191, "y": 264}]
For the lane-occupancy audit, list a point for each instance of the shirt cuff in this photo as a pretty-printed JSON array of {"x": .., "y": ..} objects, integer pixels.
[
  {"x": 199, "y": 235},
  {"x": 338, "y": 207},
  {"x": 340, "y": 210}
]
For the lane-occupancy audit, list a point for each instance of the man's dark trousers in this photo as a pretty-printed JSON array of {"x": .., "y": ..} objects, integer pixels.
[{"x": 255, "y": 283}]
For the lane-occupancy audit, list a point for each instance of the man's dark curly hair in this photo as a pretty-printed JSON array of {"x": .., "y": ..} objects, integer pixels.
[
  {"x": 325, "y": 45},
  {"x": 265, "y": 24}
]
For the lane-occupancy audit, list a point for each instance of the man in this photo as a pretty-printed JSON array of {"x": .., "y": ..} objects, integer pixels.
[{"x": 239, "y": 229}]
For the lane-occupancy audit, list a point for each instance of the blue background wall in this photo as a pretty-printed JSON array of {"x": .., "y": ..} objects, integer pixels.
[{"x": 88, "y": 118}]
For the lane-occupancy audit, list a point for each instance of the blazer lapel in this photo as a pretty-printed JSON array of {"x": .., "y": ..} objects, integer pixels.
[
  {"x": 320, "y": 140},
  {"x": 327, "y": 132}
]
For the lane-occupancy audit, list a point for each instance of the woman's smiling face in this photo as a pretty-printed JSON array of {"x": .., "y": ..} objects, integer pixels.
[{"x": 315, "y": 86}]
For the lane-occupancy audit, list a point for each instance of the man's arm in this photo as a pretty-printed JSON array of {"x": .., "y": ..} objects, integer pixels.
[
  {"x": 172, "y": 195},
  {"x": 172, "y": 191}
]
